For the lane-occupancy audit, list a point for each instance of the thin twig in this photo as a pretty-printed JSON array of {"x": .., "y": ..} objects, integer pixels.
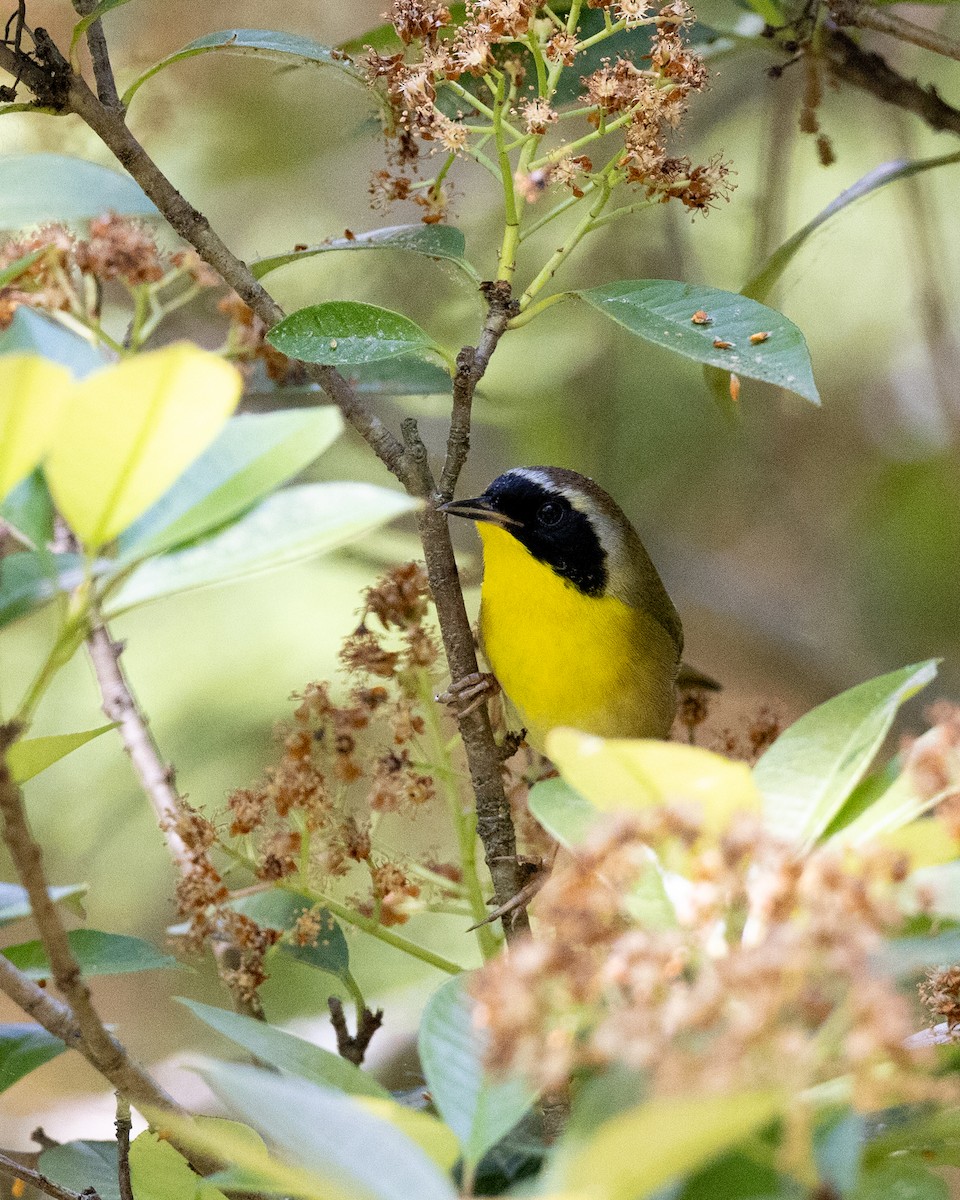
[
  {"x": 10, "y": 1166},
  {"x": 353, "y": 1047},
  {"x": 99, "y": 56},
  {"x": 76, "y": 1022},
  {"x": 123, "y": 1125},
  {"x": 157, "y": 778},
  {"x": 873, "y": 74},
  {"x": 866, "y": 16}
]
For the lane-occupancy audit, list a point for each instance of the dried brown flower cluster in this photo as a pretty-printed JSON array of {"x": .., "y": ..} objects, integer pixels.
[
  {"x": 63, "y": 272},
  {"x": 429, "y": 85},
  {"x": 343, "y": 767},
  {"x": 766, "y": 979}
]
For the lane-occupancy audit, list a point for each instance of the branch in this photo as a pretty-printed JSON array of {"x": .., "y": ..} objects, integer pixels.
[
  {"x": 353, "y": 1047},
  {"x": 10, "y": 1166},
  {"x": 123, "y": 1149},
  {"x": 873, "y": 74},
  {"x": 866, "y": 16},
  {"x": 157, "y": 778},
  {"x": 76, "y": 1023},
  {"x": 99, "y": 56}
]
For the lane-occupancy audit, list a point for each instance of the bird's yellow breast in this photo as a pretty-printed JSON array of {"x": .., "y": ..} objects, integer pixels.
[{"x": 564, "y": 658}]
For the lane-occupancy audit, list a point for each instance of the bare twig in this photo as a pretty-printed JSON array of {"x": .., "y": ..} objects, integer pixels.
[
  {"x": 123, "y": 1125},
  {"x": 99, "y": 56},
  {"x": 873, "y": 74},
  {"x": 353, "y": 1047},
  {"x": 10, "y": 1166},
  {"x": 867, "y": 16},
  {"x": 157, "y": 778},
  {"x": 75, "y": 1022}
]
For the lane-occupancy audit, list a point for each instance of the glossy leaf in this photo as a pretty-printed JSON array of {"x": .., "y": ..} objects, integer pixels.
[
  {"x": 760, "y": 285},
  {"x": 251, "y": 457},
  {"x": 32, "y": 332},
  {"x": 30, "y": 580},
  {"x": 903, "y": 801},
  {"x": 477, "y": 1108},
  {"x": 562, "y": 811},
  {"x": 33, "y": 393},
  {"x": 23, "y": 1048},
  {"x": 29, "y": 509},
  {"x": 617, "y": 774},
  {"x": 432, "y": 241},
  {"x": 159, "y": 1172},
  {"x": 79, "y": 1165},
  {"x": 15, "y": 903},
  {"x": 287, "y": 1052},
  {"x": 131, "y": 430},
  {"x": 288, "y": 49},
  {"x": 30, "y": 756},
  {"x": 330, "y": 1135},
  {"x": 810, "y": 771},
  {"x": 97, "y": 953},
  {"x": 660, "y": 311},
  {"x": 638, "y": 1152},
  {"x": 279, "y": 908},
  {"x": 346, "y": 332},
  {"x": 55, "y": 187},
  {"x": 406, "y": 375},
  {"x": 291, "y": 525},
  {"x": 98, "y": 10}
]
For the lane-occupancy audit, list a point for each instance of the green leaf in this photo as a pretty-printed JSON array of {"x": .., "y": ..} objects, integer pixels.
[
  {"x": 30, "y": 756},
  {"x": 838, "y": 1148},
  {"x": 291, "y": 525},
  {"x": 287, "y": 1052},
  {"x": 30, "y": 580},
  {"x": 279, "y": 908},
  {"x": 32, "y": 332},
  {"x": 331, "y": 1135},
  {"x": 904, "y": 1179},
  {"x": 761, "y": 284},
  {"x": 479, "y": 1110},
  {"x": 909, "y": 956},
  {"x": 251, "y": 457},
  {"x": 97, "y": 953},
  {"x": 288, "y": 49},
  {"x": 810, "y": 771},
  {"x": 129, "y": 432},
  {"x": 33, "y": 395},
  {"x": 346, "y": 332},
  {"x": 738, "y": 1176},
  {"x": 406, "y": 375},
  {"x": 79, "y": 1165},
  {"x": 29, "y": 509},
  {"x": 159, "y": 1172},
  {"x": 432, "y": 241},
  {"x": 637, "y": 1153},
  {"x": 98, "y": 10},
  {"x": 562, "y": 811},
  {"x": 54, "y": 187},
  {"x": 15, "y": 903},
  {"x": 660, "y": 311},
  {"x": 23, "y": 1048}
]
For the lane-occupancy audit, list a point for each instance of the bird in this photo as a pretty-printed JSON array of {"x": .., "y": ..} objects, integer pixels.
[{"x": 575, "y": 622}]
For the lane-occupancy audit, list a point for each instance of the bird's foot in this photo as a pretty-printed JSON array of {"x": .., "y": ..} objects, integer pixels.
[{"x": 466, "y": 695}]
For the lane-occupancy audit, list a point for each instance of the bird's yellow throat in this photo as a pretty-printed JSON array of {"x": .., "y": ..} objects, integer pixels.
[{"x": 565, "y": 658}]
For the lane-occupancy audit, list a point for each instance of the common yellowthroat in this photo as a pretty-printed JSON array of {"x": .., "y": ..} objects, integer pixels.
[{"x": 574, "y": 620}]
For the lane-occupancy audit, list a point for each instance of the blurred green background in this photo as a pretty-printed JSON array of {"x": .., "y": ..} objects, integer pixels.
[{"x": 806, "y": 549}]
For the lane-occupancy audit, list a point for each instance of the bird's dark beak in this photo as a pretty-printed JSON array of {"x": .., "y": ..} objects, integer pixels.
[{"x": 479, "y": 509}]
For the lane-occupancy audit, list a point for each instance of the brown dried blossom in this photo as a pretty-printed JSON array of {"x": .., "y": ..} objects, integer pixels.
[
  {"x": 120, "y": 248},
  {"x": 766, "y": 948},
  {"x": 940, "y": 992}
]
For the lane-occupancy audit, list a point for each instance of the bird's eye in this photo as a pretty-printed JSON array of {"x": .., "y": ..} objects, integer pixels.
[{"x": 550, "y": 514}]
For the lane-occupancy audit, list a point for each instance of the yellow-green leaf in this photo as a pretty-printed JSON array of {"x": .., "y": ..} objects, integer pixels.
[
  {"x": 131, "y": 430},
  {"x": 638, "y": 1152},
  {"x": 617, "y": 774},
  {"x": 32, "y": 395},
  {"x": 432, "y": 1136},
  {"x": 33, "y": 755},
  {"x": 158, "y": 1172}
]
